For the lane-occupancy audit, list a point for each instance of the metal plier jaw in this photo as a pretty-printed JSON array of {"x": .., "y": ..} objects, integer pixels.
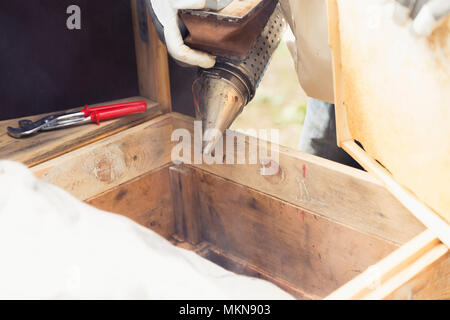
[
  {"x": 63, "y": 120},
  {"x": 28, "y": 127}
]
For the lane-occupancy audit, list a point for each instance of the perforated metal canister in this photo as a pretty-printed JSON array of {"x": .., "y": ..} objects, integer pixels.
[
  {"x": 222, "y": 92},
  {"x": 251, "y": 70},
  {"x": 259, "y": 57}
]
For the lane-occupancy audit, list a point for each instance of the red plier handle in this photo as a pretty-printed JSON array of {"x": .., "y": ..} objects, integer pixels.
[{"x": 100, "y": 113}]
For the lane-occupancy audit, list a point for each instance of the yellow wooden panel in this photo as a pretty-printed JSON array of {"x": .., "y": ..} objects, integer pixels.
[{"x": 395, "y": 91}]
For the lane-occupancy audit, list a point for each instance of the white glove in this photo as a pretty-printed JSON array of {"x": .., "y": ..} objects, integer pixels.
[
  {"x": 427, "y": 15},
  {"x": 167, "y": 13}
]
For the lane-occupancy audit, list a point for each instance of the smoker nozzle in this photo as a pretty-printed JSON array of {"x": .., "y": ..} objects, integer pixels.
[
  {"x": 219, "y": 97},
  {"x": 222, "y": 92}
]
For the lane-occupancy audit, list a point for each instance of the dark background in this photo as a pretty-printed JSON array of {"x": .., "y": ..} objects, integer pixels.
[{"x": 46, "y": 67}]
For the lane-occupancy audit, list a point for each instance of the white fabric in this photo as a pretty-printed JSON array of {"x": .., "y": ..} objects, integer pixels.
[
  {"x": 167, "y": 13},
  {"x": 311, "y": 52},
  {"x": 54, "y": 246}
]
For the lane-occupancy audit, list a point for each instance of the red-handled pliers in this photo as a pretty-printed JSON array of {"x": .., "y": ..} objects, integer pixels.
[{"x": 96, "y": 114}]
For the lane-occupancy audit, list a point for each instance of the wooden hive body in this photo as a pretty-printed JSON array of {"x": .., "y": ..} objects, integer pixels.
[{"x": 314, "y": 228}]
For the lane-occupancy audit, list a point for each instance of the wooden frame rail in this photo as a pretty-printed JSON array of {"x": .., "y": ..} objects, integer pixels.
[{"x": 418, "y": 270}]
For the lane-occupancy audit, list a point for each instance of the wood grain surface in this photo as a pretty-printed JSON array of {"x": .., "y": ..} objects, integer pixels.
[
  {"x": 346, "y": 195},
  {"x": 291, "y": 243},
  {"x": 98, "y": 167},
  {"x": 146, "y": 200},
  {"x": 152, "y": 61},
  {"x": 394, "y": 92},
  {"x": 432, "y": 282},
  {"x": 246, "y": 231}
]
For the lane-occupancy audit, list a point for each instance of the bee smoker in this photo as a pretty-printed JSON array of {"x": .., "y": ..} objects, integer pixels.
[
  {"x": 243, "y": 35},
  {"x": 222, "y": 92}
]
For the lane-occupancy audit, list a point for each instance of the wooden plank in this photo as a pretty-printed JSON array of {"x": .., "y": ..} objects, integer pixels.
[
  {"x": 423, "y": 264},
  {"x": 290, "y": 243},
  {"x": 241, "y": 215},
  {"x": 146, "y": 199},
  {"x": 184, "y": 188},
  {"x": 239, "y": 266},
  {"x": 429, "y": 218},
  {"x": 342, "y": 130},
  {"x": 386, "y": 268},
  {"x": 395, "y": 102},
  {"x": 432, "y": 282},
  {"x": 152, "y": 60},
  {"x": 51, "y": 144},
  {"x": 417, "y": 270},
  {"x": 98, "y": 167},
  {"x": 191, "y": 218},
  {"x": 402, "y": 274},
  {"x": 346, "y": 195}
]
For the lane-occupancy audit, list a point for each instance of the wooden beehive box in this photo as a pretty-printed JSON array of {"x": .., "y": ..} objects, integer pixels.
[
  {"x": 313, "y": 228},
  {"x": 392, "y": 94}
]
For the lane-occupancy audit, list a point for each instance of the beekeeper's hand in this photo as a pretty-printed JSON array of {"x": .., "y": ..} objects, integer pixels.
[
  {"x": 166, "y": 11},
  {"x": 426, "y": 15}
]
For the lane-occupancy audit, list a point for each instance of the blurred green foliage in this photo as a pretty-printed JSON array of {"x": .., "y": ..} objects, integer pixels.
[{"x": 280, "y": 111}]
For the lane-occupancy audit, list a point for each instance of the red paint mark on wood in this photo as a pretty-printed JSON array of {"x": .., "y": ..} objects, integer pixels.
[
  {"x": 303, "y": 215},
  {"x": 304, "y": 171},
  {"x": 103, "y": 170}
]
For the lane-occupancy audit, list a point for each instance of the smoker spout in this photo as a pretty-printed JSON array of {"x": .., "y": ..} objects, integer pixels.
[{"x": 219, "y": 98}]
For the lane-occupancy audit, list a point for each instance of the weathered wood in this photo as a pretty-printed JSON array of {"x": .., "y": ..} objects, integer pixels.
[
  {"x": 432, "y": 282},
  {"x": 288, "y": 242},
  {"x": 51, "y": 144},
  {"x": 184, "y": 187},
  {"x": 346, "y": 195},
  {"x": 146, "y": 199},
  {"x": 392, "y": 128},
  {"x": 342, "y": 129},
  {"x": 105, "y": 164},
  {"x": 343, "y": 194},
  {"x": 417, "y": 269},
  {"x": 239, "y": 266},
  {"x": 314, "y": 251},
  {"x": 305, "y": 240},
  {"x": 429, "y": 218},
  {"x": 386, "y": 268},
  {"x": 394, "y": 102},
  {"x": 246, "y": 231},
  {"x": 152, "y": 60},
  {"x": 424, "y": 263}
]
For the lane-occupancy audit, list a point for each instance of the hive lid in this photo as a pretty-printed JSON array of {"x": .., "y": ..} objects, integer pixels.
[{"x": 392, "y": 93}]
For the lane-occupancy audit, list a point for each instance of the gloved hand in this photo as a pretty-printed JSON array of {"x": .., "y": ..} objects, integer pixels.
[
  {"x": 426, "y": 14},
  {"x": 166, "y": 12}
]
